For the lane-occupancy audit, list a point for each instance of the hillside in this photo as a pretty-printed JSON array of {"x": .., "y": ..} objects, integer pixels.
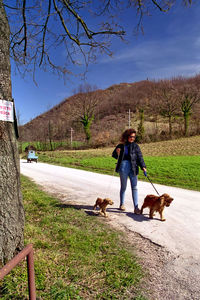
[{"x": 146, "y": 101}]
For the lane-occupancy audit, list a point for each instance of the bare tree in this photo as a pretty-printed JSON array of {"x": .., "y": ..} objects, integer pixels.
[
  {"x": 167, "y": 102},
  {"x": 196, "y": 118},
  {"x": 39, "y": 29},
  {"x": 187, "y": 96},
  {"x": 50, "y": 134},
  {"x": 141, "y": 99},
  {"x": 85, "y": 106}
]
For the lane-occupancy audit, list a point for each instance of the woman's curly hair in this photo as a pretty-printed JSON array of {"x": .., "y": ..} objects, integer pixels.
[{"x": 126, "y": 134}]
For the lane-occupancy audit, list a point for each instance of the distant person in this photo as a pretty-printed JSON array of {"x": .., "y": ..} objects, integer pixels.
[{"x": 130, "y": 159}]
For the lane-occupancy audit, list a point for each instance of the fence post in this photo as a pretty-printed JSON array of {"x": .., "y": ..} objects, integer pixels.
[
  {"x": 31, "y": 276},
  {"x": 27, "y": 251}
]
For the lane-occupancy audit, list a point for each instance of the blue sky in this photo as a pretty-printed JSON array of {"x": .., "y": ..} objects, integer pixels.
[{"x": 169, "y": 47}]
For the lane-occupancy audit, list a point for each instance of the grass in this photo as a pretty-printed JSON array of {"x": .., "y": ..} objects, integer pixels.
[
  {"x": 173, "y": 163},
  {"x": 45, "y": 146},
  {"x": 79, "y": 159},
  {"x": 179, "y": 171},
  {"x": 76, "y": 256}
]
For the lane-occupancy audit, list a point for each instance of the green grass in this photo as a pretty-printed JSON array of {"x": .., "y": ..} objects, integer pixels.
[
  {"x": 76, "y": 256},
  {"x": 173, "y": 162},
  {"x": 179, "y": 171},
  {"x": 82, "y": 160},
  {"x": 45, "y": 146}
]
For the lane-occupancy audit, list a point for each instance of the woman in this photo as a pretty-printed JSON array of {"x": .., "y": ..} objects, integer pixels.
[{"x": 130, "y": 159}]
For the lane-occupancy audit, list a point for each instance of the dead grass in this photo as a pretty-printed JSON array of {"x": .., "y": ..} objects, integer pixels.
[{"x": 183, "y": 146}]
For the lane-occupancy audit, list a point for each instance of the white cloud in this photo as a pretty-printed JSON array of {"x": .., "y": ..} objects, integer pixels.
[{"x": 178, "y": 56}]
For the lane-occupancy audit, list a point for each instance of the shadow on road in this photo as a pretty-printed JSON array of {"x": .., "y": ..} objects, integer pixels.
[
  {"x": 138, "y": 218},
  {"x": 141, "y": 218},
  {"x": 89, "y": 211},
  {"x": 80, "y": 206},
  {"x": 87, "y": 208}
]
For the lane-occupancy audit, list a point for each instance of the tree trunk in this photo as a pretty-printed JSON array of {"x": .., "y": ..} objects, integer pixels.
[
  {"x": 87, "y": 122},
  {"x": 50, "y": 135},
  {"x": 140, "y": 135},
  {"x": 186, "y": 123},
  {"x": 11, "y": 208},
  {"x": 170, "y": 125}
]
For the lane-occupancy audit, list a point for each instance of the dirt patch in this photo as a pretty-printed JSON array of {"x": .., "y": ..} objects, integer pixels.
[{"x": 165, "y": 277}]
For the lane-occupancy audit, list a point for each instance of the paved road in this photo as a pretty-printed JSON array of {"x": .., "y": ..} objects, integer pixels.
[{"x": 180, "y": 233}]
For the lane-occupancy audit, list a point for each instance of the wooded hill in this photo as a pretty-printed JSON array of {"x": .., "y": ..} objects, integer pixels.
[{"x": 158, "y": 110}]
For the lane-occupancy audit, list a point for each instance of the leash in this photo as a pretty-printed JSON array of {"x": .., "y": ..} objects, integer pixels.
[
  {"x": 109, "y": 185},
  {"x": 145, "y": 174},
  {"x": 111, "y": 181}
]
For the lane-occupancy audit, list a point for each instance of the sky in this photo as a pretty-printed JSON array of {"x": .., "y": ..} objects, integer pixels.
[{"x": 169, "y": 47}]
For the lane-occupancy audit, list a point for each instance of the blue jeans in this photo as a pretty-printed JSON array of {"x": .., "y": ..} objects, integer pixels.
[{"x": 125, "y": 171}]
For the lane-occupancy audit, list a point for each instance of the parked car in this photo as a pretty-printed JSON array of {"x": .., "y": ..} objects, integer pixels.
[{"x": 31, "y": 156}]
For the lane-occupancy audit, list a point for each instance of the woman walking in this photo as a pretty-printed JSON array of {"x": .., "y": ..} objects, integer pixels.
[{"x": 130, "y": 159}]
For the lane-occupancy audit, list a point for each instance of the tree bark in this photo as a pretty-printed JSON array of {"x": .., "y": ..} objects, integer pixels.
[{"x": 11, "y": 207}]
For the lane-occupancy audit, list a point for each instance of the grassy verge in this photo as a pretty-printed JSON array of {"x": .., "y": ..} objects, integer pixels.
[
  {"x": 45, "y": 146},
  {"x": 76, "y": 256},
  {"x": 179, "y": 171}
]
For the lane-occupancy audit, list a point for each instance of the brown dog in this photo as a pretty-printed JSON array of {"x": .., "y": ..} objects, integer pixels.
[
  {"x": 156, "y": 203},
  {"x": 103, "y": 203}
]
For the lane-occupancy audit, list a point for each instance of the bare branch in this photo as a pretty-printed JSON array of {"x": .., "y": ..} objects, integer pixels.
[
  {"x": 161, "y": 8},
  {"x": 25, "y": 28},
  {"x": 44, "y": 32},
  {"x": 64, "y": 25},
  {"x": 79, "y": 19},
  {"x": 46, "y": 25}
]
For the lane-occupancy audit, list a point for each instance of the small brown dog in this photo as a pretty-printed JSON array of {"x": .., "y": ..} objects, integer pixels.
[
  {"x": 156, "y": 203},
  {"x": 103, "y": 203}
]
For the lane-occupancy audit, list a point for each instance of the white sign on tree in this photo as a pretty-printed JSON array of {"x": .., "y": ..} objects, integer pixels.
[{"x": 6, "y": 111}]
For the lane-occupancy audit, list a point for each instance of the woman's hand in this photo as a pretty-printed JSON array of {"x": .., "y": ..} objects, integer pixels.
[
  {"x": 145, "y": 172},
  {"x": 118, "y": 150}
]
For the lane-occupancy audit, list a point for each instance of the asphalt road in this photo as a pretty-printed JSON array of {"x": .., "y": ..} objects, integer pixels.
[{"x": 179, "y": 234}]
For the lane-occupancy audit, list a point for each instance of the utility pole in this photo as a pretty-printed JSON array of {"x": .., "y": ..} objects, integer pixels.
[
  {"x": 129, "y": 118},
  {"x": 71, "y": 131}
]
